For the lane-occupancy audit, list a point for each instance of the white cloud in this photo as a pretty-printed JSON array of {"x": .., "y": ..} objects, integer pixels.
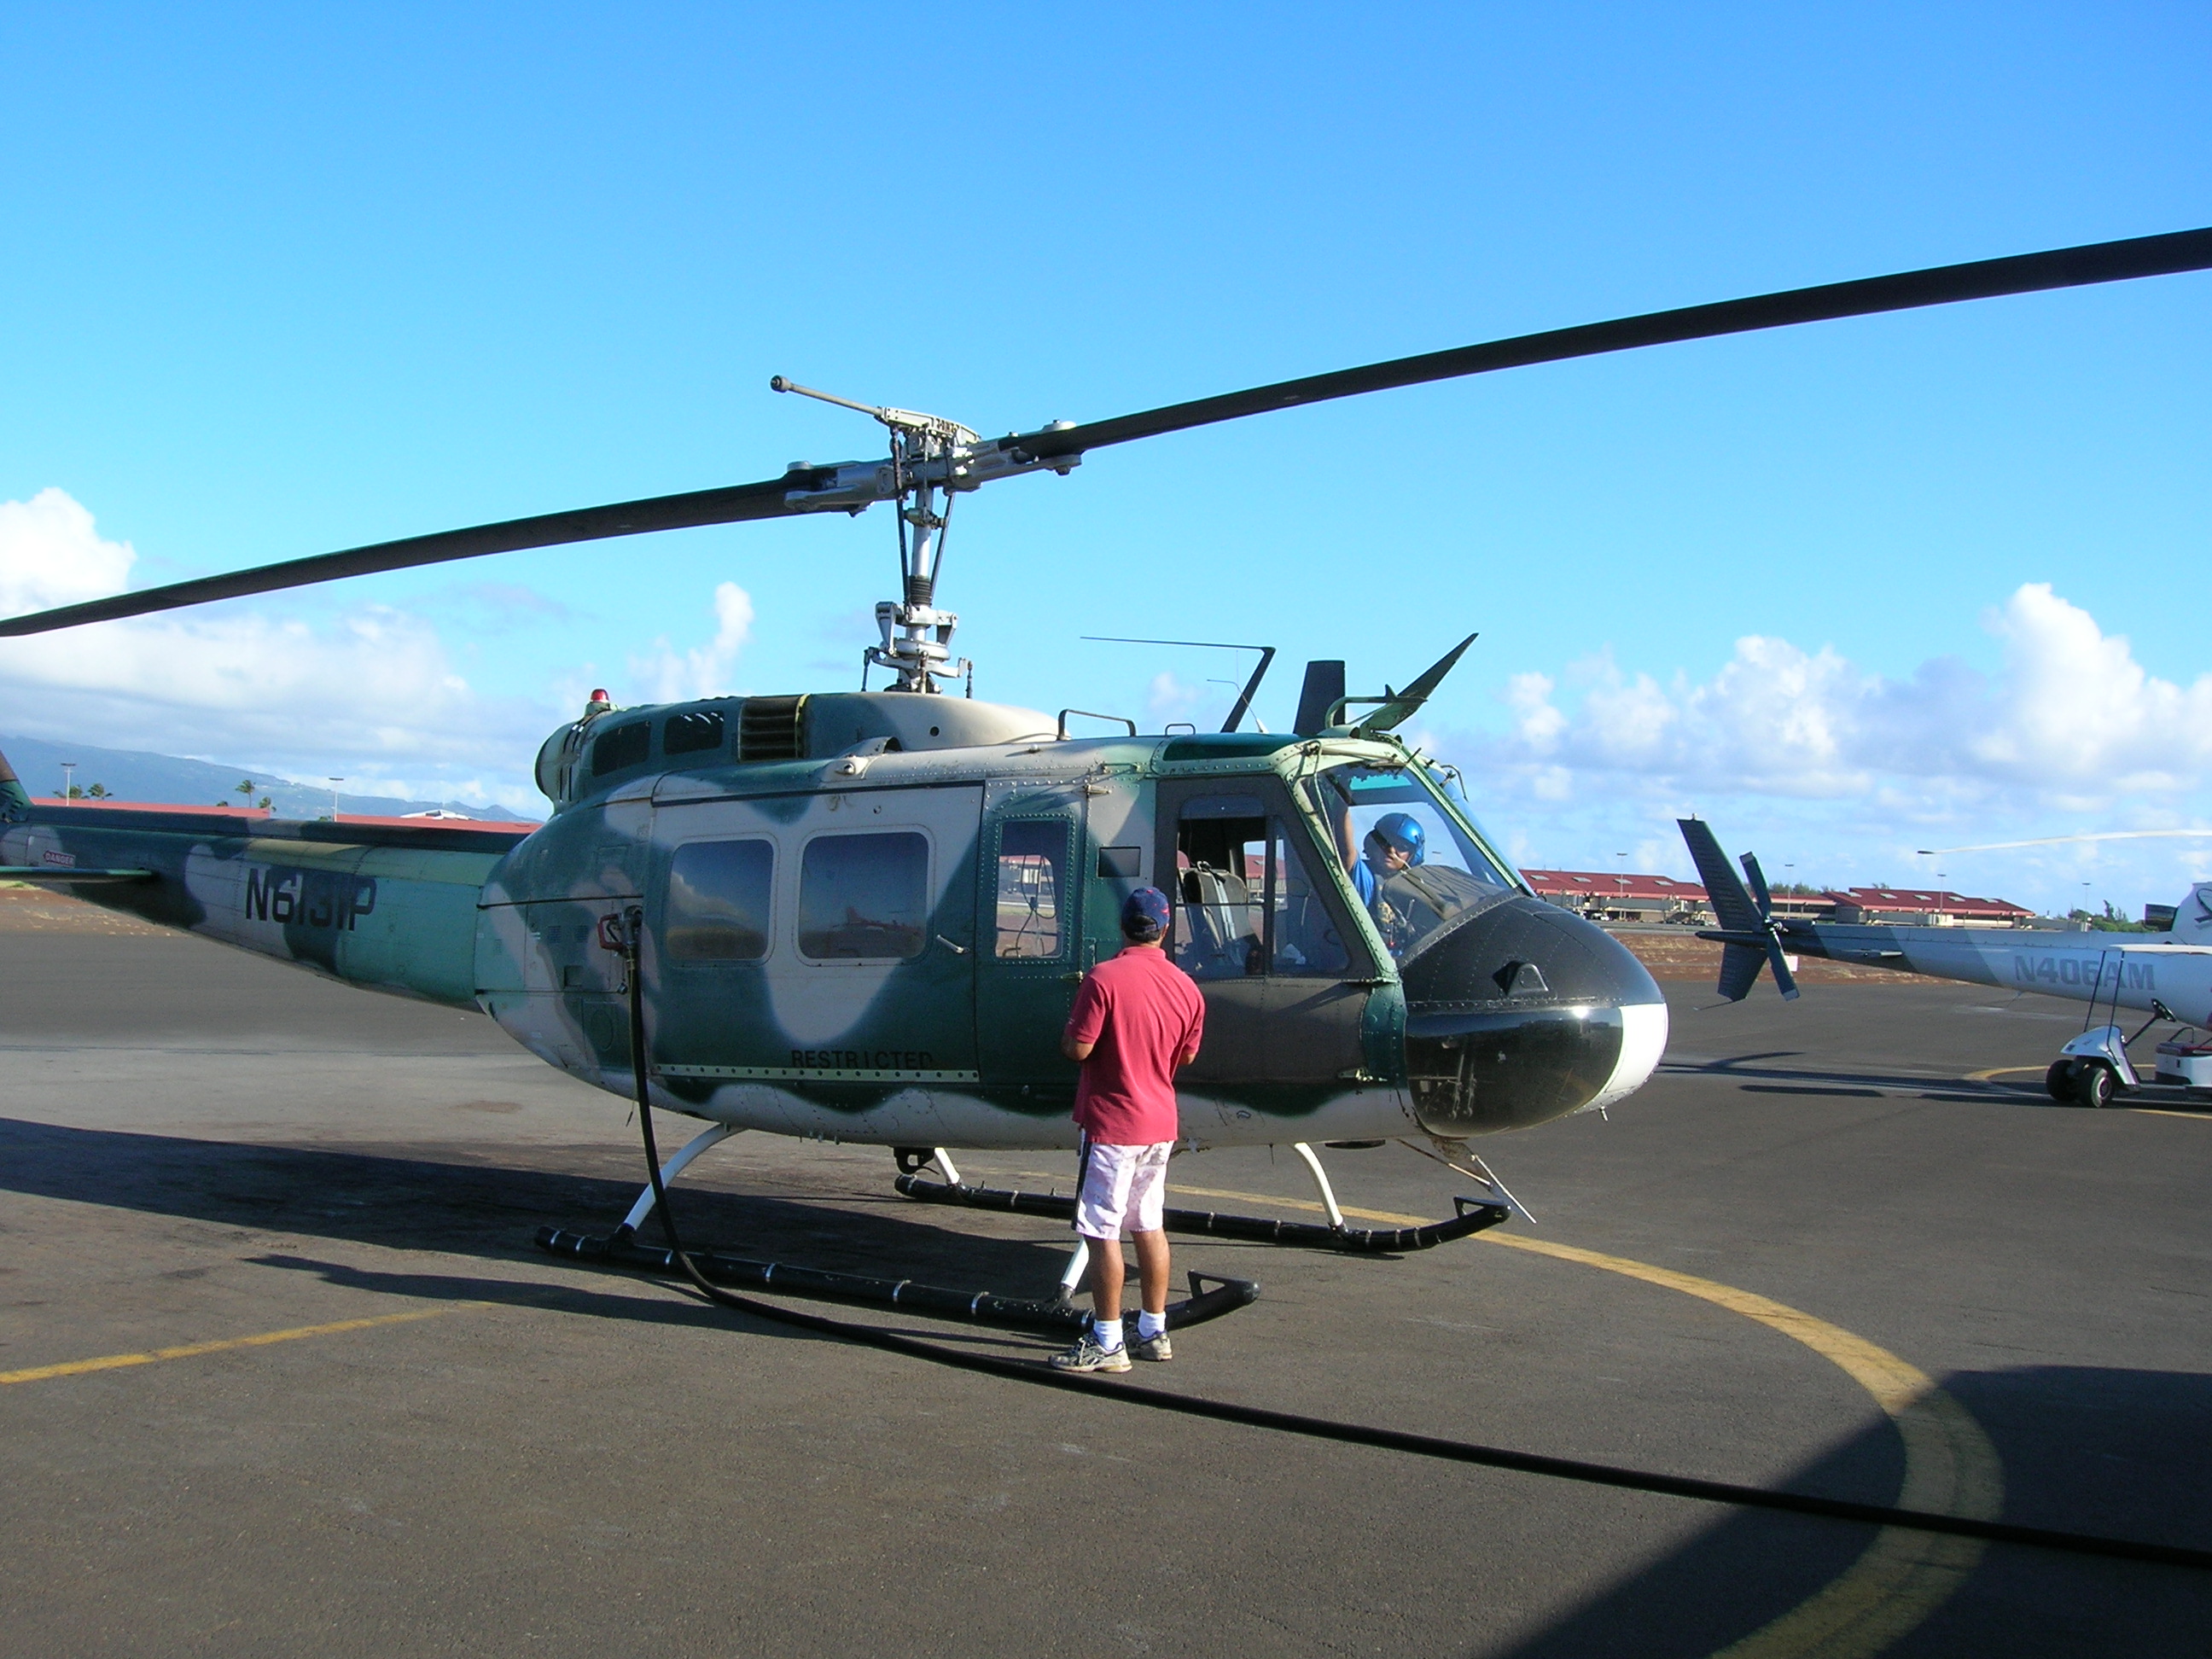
[
  {"x": 50, "y": 555},
  {"x": 667, "y": 674},
  {"x": 1168, "y": 698},
  {"x": 1844, "y": 773},
  {"x": 374, "y": 695},
  {"x": 2070, "y": 717}
]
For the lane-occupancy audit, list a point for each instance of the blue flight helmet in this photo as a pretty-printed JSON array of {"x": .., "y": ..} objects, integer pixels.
[
  {"x": 1144, "y": 915},
  {"x": 1403, "y": 831}
]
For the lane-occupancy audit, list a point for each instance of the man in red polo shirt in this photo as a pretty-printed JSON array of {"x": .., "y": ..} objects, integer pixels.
[{"x": 1137, "y": 1019}]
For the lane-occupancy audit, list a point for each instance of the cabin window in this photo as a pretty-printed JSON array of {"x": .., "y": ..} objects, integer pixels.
[
  {"x": 718, "y": 901},
  {"x": 1247, "y": 904},
  {"x": 695, "y": 733},
  {"x": 863, "y": 896},
  {"x": 1303, "y": 941},
  {"x": 1221, "y": 865},
  {"x": 624, "y": 746},
  {"x": 1032, "y": 888}
]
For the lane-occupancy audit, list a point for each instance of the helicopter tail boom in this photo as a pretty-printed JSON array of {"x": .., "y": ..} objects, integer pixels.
[{"x": 388, "y": 906}]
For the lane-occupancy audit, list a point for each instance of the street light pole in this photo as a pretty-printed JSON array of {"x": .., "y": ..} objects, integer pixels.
[
  {"x": 68, "y": 780},
  {"x": 334, "y": 783}
]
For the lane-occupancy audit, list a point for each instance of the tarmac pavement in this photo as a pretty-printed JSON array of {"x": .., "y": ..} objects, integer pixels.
[{"x": 499, "y": 1453}]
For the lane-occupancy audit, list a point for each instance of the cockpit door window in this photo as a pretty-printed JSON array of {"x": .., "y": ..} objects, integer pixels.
[
  {"x": 1303, "y": 940},
  {"x": 1247, "y": 905},
  {"x": 1411, "y": 863}
]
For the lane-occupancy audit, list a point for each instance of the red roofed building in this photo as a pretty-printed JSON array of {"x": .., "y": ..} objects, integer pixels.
[
  {"x": 1621, "y": 896},
  {"x": 1920, "y": 907}
]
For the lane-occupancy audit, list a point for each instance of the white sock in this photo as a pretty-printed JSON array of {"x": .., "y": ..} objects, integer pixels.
[
  {"x": 1150, "y": 1325},
  {"x": 1107, "y": 1337}
]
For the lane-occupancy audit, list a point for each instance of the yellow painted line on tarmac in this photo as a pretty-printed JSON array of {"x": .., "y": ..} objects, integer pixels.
[
  {"x": 115, "y": 1362},
  {"x": 1950, "y": 1467}
]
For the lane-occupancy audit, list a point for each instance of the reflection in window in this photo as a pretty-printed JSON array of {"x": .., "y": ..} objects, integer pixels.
[
  {"x": 626, "y": 745},
  {"x": 1302, "y": 939},
  {"x": 1248, "y": 905},
  {"x": 1032, "y": 877},
  {"x": 863, "y": 896},
  {"x": 695, "y": 733},
  {"x": 1412, "y": 864},
  {"x": 718, "y": 901}
]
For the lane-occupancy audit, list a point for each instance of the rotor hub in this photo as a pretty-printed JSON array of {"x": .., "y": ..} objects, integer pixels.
[{"x": 932, "y": 460}]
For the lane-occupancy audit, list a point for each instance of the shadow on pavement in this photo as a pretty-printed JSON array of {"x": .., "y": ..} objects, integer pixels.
[
  {"x": 495, "y": 1209},
  {"x": 2124, "y": 1453},
  {"x": 683, "y": 1308}
]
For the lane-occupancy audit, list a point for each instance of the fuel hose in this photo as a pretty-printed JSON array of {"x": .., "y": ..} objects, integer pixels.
[{"x": 1321, "y": 1428}]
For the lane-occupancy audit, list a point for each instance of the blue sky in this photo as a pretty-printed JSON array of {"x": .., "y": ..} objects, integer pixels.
[{"x": 281, "y": 280}]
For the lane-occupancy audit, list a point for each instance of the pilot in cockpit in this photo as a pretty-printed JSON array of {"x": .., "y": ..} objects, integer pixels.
[
  {"x": 1396, "y": 842},
  {"x": 1407, "y": 898}
]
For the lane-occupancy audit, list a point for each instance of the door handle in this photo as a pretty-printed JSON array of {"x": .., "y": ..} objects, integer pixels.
[{"x": 956, "y": 950}]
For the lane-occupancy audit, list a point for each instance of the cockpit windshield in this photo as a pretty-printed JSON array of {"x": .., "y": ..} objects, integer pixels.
[{"x": 1411, "y": 863}]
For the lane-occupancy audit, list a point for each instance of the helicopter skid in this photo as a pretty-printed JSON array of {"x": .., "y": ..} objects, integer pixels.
[
  {"x": 1211, "y": 1295},
  {"x": 1473, "y": 1216}
]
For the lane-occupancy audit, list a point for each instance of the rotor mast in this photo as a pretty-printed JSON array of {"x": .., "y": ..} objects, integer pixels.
[{"x": 932, "y": 458}]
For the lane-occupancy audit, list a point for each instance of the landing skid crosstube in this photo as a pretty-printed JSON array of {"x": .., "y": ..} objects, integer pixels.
[
  {"x": 1474, "y": 1215},
  {"x": 1211, "y": 1295}
]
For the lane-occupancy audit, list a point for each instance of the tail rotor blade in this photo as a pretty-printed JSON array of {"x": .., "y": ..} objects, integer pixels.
[
  {"x": 1784, "y": 980},
  {"x": 1746, "y": 916},
  {"x": 1750, "y": 862}
]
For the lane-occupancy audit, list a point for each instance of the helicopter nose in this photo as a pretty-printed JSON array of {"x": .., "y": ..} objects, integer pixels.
[{"x": 1524, "y": 1013}]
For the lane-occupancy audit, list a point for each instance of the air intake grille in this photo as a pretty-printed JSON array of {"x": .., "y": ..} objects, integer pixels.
[{"x": 772, "y": 729}]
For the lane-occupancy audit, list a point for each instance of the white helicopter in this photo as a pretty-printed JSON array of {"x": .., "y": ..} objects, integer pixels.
[{"x": 2154, "y": 973}]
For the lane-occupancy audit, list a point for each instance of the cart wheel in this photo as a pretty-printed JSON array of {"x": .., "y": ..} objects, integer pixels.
[
  {"x": 2095, "y": 1086},
  {"x": 2059, "y": 1081}
]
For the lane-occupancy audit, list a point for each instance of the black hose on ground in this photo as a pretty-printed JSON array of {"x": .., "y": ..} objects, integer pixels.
[{"x": 1351, "y": 1434}]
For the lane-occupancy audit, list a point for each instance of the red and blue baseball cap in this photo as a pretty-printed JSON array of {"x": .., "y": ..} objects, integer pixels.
[{"x": 1145, "y": 916}]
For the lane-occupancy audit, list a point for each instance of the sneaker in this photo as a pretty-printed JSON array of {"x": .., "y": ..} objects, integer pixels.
[
  {"x": 1153, "y": 1347},
  {"x": 1087, "y": 1356}
]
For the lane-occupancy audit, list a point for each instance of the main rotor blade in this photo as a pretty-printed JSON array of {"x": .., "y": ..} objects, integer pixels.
[
  {"x": 2096, "y": 262},
  {"x": 1983, "y": 279},
  {"x": 765, "y": 500}
]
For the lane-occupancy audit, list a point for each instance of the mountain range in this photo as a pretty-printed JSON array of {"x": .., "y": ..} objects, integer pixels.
[{"x": 130, "y": 776}]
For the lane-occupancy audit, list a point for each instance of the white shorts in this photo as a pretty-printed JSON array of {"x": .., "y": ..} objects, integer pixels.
[{"x": 1120, "y": 1189}]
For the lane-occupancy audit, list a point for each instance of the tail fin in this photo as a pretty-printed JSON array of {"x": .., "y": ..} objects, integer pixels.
[
  {"x": 14, "y": 799},
  {"x": 1748, "y": 935},
  {"x": 2192, "y": 917}
]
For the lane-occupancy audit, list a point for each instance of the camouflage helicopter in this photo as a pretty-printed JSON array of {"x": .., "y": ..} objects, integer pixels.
[{"x": 860, "y": 916}]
